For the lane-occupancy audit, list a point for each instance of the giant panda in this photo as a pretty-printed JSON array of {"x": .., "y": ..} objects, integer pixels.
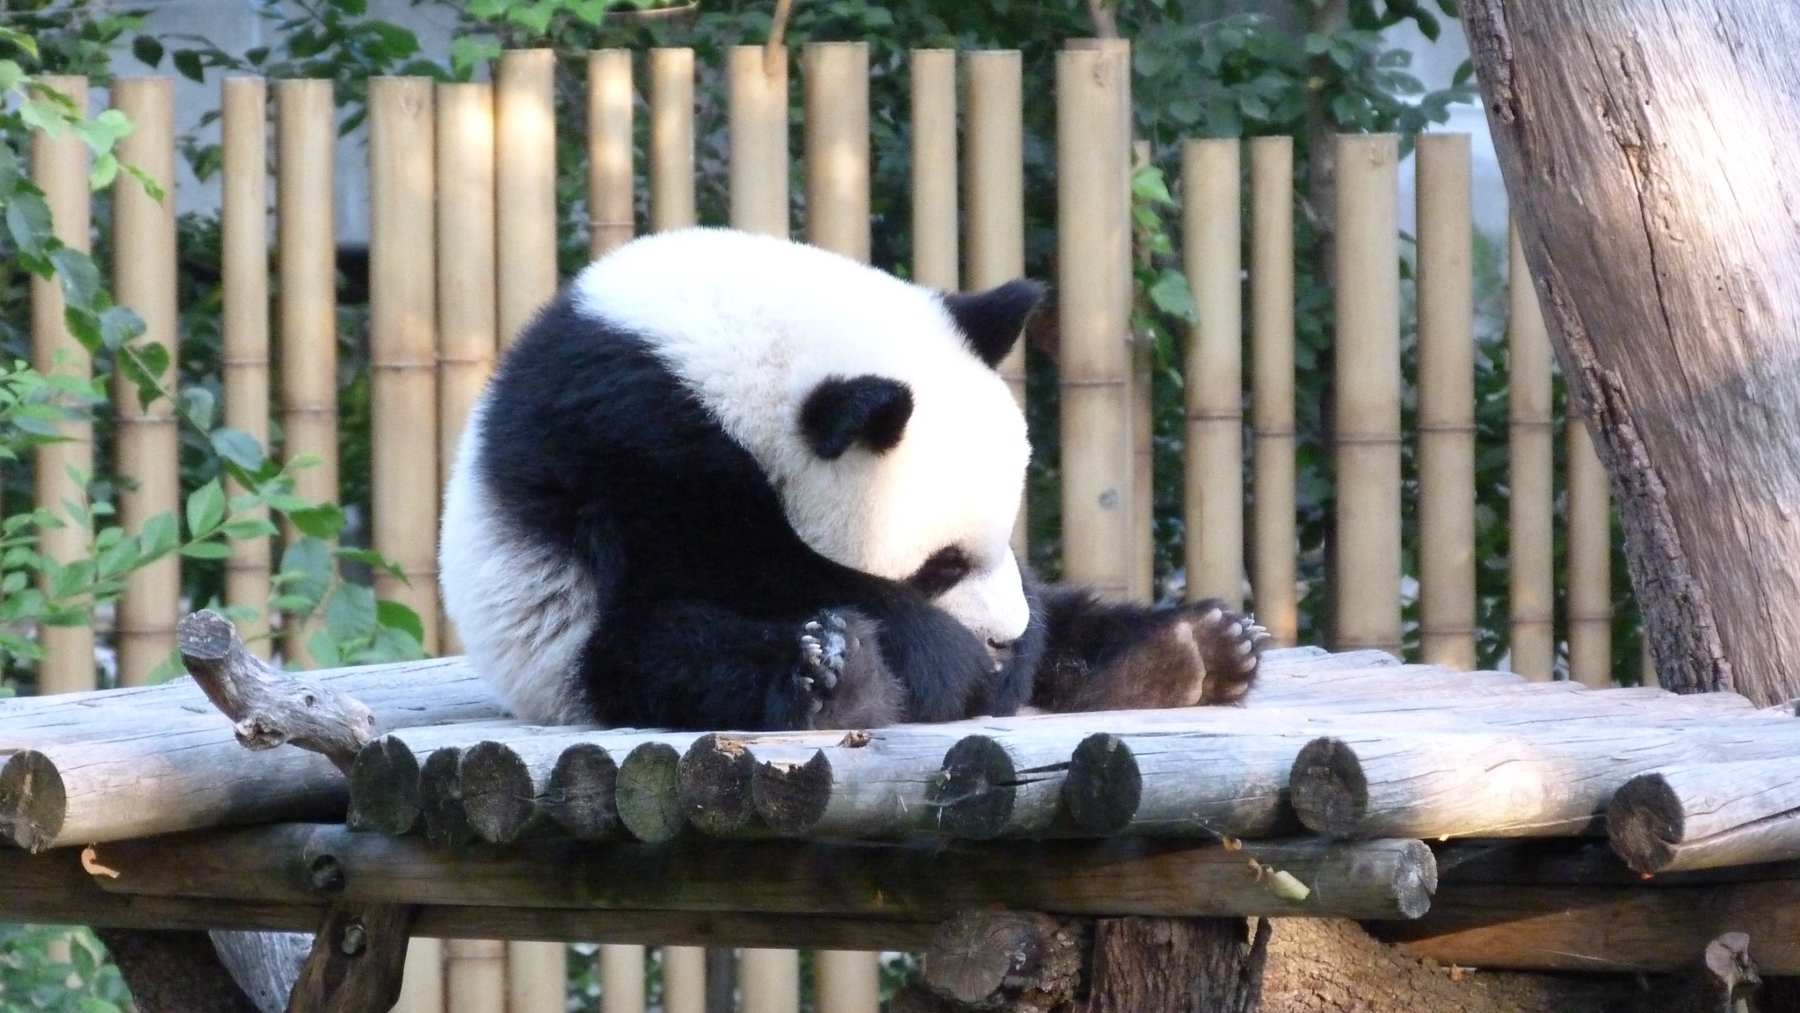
[{"x": 728, "y": 481}]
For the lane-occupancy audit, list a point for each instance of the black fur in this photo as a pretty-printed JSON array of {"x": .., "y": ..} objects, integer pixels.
[
  {"x": 991, "y": 321},
  {"x": 871, "y": 410},
  {"x": 593, "y": 447}
]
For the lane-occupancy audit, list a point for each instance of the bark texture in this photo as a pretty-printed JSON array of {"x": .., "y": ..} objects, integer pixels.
[{"x": 1651, "y": 149}]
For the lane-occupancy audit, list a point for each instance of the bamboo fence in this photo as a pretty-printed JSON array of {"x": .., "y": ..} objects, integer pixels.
[{"x": 468, "y": 170}]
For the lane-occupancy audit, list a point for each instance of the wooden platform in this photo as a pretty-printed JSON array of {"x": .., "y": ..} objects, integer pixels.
[{"x": 1479, "y": 819}]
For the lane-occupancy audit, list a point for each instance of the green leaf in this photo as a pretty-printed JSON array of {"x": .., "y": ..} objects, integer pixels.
[
  {"x": 187, "y": 64},
  {"x": 351, "y": 613},
  {"x": 1147, "y": 185},
  {"x": 40, "y": 114},
  {"x": 19, "y": 40},
  {"x": 306, "y": 568},
  {"x": 249, "y": 527},
  {"x": 10, "y": 75},
  {"x": 119, "y": 558},
  {"x": 159, "y": 537},
  {"x": 119, "y": 325},
  {"x": 374, "y": 560},
  {"x": 1171, "y": 294},
  {"x": 70, "y": 580},
  {"x": 322, "y": 521},
  {"x": 486, "y": 10},
  {"x": 197, "y": 403},
  {"x": 207, "y": 550},
  {"x": 28, "y": 221},
  {"x": 104, "y": 170},
  {"x": 147, "y": 50},
  {"x": 80, "y": 278},
  {"x": 205, "y": 509},
  {"x": 396, "y": 42},
  {"x": 468, "y": 51},
  {"x": 238, "y": 447},
  {"x": 324, "y": 649},
  {"x": 395, "y": 615}
]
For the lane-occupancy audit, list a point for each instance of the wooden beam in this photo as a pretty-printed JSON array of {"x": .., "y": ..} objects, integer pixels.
[
  {"x": 1707, "y": 815},
  {"x": 304, "y": 863},
  {"x": 356, "y": 960}
]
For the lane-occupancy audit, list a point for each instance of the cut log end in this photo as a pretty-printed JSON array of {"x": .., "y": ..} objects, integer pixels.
[
  {"x": 384, "y": 788},
  {"x": 1415, "y": 879},
  {"x": 497, "y": 795},
  {"x": 1643, "y": 818},
  {"x": 973, "y": 796},
  {"x": 440, "y": 798},
  {"x": 1104, "y": 786},
  {"x": 581, "y": 792},
  {"x": 648, "y": 795},
  {"x": 33, "y": 801},
  {"x": 714, "y": 779},
  {"x": 205, "y": 636},
  {"x": 1005, "y": 959},
  {"x": 791, "y": 797},
  {"x": 1328, "y": 788}
]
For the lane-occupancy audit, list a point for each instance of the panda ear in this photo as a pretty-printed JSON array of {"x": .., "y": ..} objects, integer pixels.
[
  {"x": 991, "y": 321},
  {"x": 871, "y": 410}
]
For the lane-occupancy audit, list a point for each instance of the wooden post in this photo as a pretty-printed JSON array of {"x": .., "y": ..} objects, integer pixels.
[
  {"x": 769, "y": 981},
  {"x": 1214, "y": 466},
  {"x": 1530, "y": 476},
  {"x": 524, "y": 185},
  {"x": 1590, "y": 557},
  {"x": 430, "y": 984},
  {"x": 1367, "y": 423},
  {"x": 244, "y": 264},
  {"x": 1273, "y": 565},
  {"x": 474, "y": 974},
  {"x": 994, "y": 188},
  {"x": 1446, "y": 404},
  {"x": 684, "y": 979},
  {"x": 59, "y": 166},
  {"x": 671, "y": 139},
  {"x": 611, "y": 219},
  {"x": 836, "y": 79},
  {"x": 305, "y": 139},
  {"x": 147, "y": 438},
  {"x": 1093, "y": 259},
  {"x": 759, "y": 139},
  {"x": 403, "y": 343},
  {"x": 621, "y": 979},
  {"x": 934, "y": 168},
  {"x": 467, "y": 324}
]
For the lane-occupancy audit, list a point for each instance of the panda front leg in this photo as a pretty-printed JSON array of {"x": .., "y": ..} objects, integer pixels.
[
  {"x": 1117, "y": 656},
  {"x": 697, "y": 665}
]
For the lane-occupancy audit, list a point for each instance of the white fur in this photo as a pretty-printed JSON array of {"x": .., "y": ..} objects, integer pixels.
[
  {"x": 753, "y": 324},
  {"x": 523, "y": 612}
]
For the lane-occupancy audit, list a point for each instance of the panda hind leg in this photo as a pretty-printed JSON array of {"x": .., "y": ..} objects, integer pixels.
[{"x": 1116, "y": 656}]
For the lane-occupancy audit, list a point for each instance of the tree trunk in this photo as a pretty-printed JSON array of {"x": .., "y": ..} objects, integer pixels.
[{"x": 1650, "y": 150}]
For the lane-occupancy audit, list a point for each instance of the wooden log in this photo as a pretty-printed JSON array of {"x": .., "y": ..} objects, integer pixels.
[
  {"x": 244, "y": 325},
  {"x": 1207, "y": 786},
  {"x": 1275, "y": 543},
  {"x": 927, "y": 880},
  {"x": 1182, "y": 965},
  {"x": 440, "y": 803},
  {"x": 356, "y": 960},
  {"x": 1446, "y": 453},
  {"x": 1707, "y": 815},
  {"x": 59, "y": 167},
  {"x": 173, "y": 972},
  {"x": 611, "y": 220},
  {"x": 873, "y": 786},
  {"x": 1007, "y": 959},
  {"x": 384, "y": 788},
  {"x": 1491, "y": 785},
  {"x": 146, "y": 441},
  {"x": 993, "y": 787},
  {"x": 648, "y": 790}
]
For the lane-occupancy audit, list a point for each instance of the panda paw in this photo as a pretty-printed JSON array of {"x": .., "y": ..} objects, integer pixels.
[
  {"x": 841, "y": 680},
  {"x": 1230, "y": 645}
]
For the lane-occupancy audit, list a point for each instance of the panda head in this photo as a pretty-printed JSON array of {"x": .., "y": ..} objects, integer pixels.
[{"x": 873, "y": 406}]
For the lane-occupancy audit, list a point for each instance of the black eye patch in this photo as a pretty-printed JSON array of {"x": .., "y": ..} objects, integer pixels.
[{"x": 941, "y": 572}]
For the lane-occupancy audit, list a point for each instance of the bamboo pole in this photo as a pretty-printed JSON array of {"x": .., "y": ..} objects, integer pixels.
[
  {"x": 525, "y": 185},
  {"x": 684, "y": 979},
  {"x": 1367, "y": 422},
  {"x": 305, "y": 139},
  {"x": 466, "y": 312},
  {"x": 1590, "y": 558},
  {"x": 423, "y": 984},
  {"x": 1446, "y": 403},
  {"x": 244, "y": 264},
  {"x": 474, "y": 975},
  {"x": 621, "y": 979},
  {"x": 994, "y": 185},
  {"x": 403, "y": 343},
  {"x": 611, "y": 221},
  {"x": 1093, "y": 263},
  {"x": 934, "y": 168},
  {"x": 1273, "y": 566},
  {"x": 59, "y": 166},
  {"x": 759, "y": 139},
  {"x": 848, "y": 980},
  {"x": 1214, "y": 371},
  {"x": 836, "y": 80},
  {"x": 671, "y": 139},
  {"x": 536, "y": 977},
  {"x": 147, "y": 439},
  {"x": 769, "y": 981},
  {"x": 1143, "y": 404},
  {"x": 1530, "y": 476}
]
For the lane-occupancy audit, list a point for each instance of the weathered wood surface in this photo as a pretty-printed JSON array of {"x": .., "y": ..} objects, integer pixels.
[
  {"x": 1016, "y": 960},
  {"x": 301, "y": 863},
  {"x": 1708, "y": 815},
  {"x": 1551, "y": 782},
  {"x": 356, "y": 961},
  {"x": 172, "y": 972},
  {"x": 1649, "y": 149}
]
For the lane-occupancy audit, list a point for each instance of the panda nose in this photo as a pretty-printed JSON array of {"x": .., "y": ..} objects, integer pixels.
[{"x": 1000, "y": 651}]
